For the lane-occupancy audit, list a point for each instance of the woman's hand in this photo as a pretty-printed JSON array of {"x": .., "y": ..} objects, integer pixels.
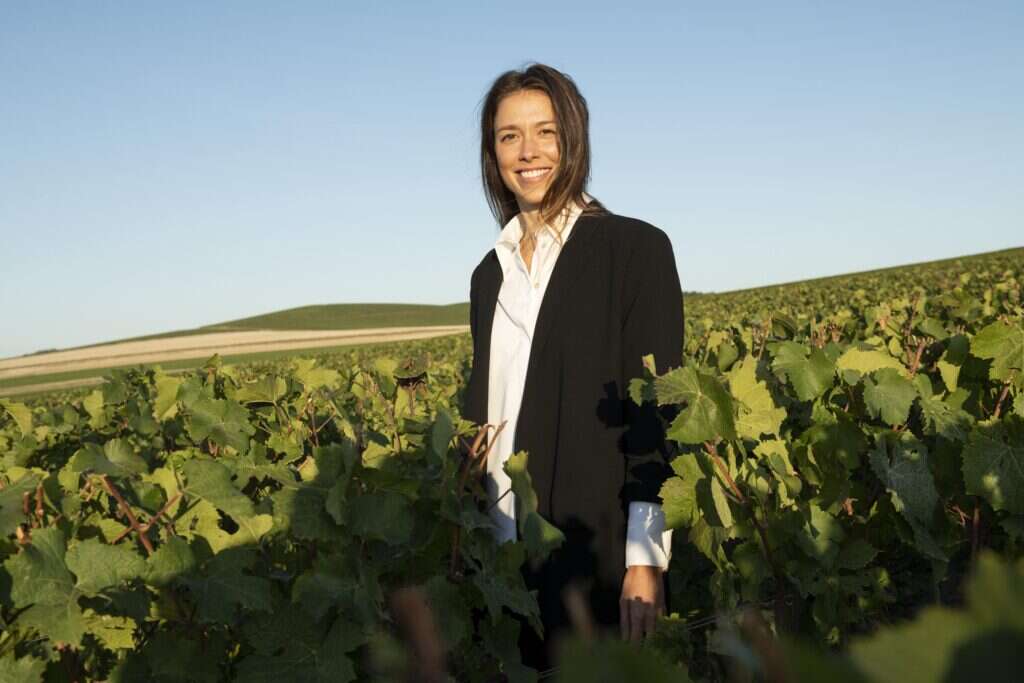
[{"x": 642, "y": 601}]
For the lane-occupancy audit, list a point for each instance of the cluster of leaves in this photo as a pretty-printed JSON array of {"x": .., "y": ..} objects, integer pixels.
[
  {"x": 841, "y": 469},
  {"x": 981, "y": 640},
  {"x": 251, "y": 523}
]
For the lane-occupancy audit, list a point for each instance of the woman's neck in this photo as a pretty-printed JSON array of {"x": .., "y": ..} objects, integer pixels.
[{"x": 531, "y": 221}]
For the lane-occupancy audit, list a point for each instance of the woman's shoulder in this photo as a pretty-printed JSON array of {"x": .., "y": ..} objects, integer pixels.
[
  {"x": 488, "y": 265},
  {"x": 629, "y": 232}
]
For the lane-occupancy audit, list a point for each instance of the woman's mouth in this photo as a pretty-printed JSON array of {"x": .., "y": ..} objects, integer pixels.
[{"x": 533, "y": 175}]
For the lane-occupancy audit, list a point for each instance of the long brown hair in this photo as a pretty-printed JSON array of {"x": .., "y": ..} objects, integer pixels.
[{"x": 573, "y": 127}]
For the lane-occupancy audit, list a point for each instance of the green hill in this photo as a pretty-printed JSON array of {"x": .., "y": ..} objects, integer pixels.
[{"x": 351, "y": 317}]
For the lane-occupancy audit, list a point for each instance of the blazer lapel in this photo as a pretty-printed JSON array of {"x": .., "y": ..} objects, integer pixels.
[
  {"x": 574, "y": 253},
  {"x": 489, "y": 288}
]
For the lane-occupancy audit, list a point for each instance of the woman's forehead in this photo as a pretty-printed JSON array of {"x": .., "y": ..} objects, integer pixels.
[{"x": 524, "y": 107}]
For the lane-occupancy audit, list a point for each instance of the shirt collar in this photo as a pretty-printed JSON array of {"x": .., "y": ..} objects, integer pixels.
[{"x": 513, "y": 231}]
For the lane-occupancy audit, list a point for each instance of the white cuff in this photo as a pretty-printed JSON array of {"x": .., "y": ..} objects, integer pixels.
[{"x": 648, "y": 542}]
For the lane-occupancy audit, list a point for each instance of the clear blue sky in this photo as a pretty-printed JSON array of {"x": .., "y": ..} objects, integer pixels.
[{"x": 165, "y": 165}]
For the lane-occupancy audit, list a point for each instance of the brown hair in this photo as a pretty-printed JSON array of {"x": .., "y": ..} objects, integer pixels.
[{"x": 573, "y": 120}]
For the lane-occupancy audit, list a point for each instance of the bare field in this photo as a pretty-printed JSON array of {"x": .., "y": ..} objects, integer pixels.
[{"x": 194, "y": 346}]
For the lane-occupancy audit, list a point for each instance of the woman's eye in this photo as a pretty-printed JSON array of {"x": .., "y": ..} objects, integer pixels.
[
  {"x": 506, "y": 137},
  {"x": 548, "y": 131}
]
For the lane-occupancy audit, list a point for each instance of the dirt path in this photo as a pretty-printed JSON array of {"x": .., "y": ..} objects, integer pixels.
[
  {"x": 50, "y": 386},
  {"x": 201, "y": 346}
]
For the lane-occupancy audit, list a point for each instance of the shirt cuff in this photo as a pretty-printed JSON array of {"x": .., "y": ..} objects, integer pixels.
[{"x": 648, "y": 542}]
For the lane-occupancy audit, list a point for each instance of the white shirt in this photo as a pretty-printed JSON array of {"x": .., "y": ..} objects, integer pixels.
[{"x": 515, "y": 316}]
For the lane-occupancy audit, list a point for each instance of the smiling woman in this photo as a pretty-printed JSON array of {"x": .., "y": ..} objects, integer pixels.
[{"x": 562, "y": 311}]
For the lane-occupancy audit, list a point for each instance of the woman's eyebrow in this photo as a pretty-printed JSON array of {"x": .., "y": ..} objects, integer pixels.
[{"x": 515, "y": 127}]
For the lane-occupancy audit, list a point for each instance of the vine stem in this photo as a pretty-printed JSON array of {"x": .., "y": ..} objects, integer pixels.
[
  {"x": 1002, "y": 397},
  {"x": 472, "y": 458},
  {"x": 112, "y": 490},
  {"x": 975, "y": 531},
  {"x": 780, "y": 596},
  {"x": 915, "y": 362},
  {"x": 155, "y": 518}
]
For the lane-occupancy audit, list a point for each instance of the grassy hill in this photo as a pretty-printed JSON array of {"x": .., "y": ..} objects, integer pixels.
[
  {"x": 351, "y": 317},
  {"x": 326, "y": 317}
]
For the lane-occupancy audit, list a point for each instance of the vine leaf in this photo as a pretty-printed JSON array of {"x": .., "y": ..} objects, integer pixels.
[
  {"x": 98, "y": 565},
  {"x": 758, "y": 413},
  {"x": 1004, "y": 345},
  {"x": 808, "y": 371},
  {"x": 539, "y": 535},
  {"x": 993, "y": 464},
  {"x": 708, "y": 414},
  {"x": 888, "y": 396},
  {"x": 224, "y": 422}
]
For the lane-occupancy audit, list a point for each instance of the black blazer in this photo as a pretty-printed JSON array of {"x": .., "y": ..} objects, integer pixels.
[{"x": 613, "y": 297}]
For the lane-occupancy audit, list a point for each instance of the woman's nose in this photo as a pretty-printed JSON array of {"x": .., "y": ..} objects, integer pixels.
[{"x": 528, "y": 148}]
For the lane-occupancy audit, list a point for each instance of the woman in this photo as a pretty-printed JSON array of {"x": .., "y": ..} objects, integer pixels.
[{"x": 562, "y": 311}]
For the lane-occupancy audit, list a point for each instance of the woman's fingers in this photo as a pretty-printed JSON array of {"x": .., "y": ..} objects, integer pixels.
[
  {"x": 638, "y": 620},
  {"x": 650, "y": 616},
  {"x": 624, "y": 618},
  {"x": 640, "y": 603}
]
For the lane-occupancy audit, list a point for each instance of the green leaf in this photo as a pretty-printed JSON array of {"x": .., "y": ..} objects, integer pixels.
[
  {"x": 857, "y": 554},
  {"x": 993, "y": 464},
  {"x": 38, "y": 573},
  {"x": 204, "y": 521},
  {"x": 223, "y": 422},
  {"x": 99, "y": 566},
  {"x": 501, "y": 591},
  {"x": 451, "y": 610},
  {"x": 20, "y": 413},
  {"x": 301, "y": 511},
  {"x": 381, "y": 515},
  {"x": 165, "y": 405},
  {"x": 942, "y": 419},
  {"x": 721, "y": 502},
  {"x": 224, "y": 588},
  {"x": 901, "y": 463},
  {"x": 25, "y": 669},
  {"x": 266, "y": 389},
  {"x": 902, "y": 467},
  {"x": 679, "y": 493},
  {"x": 808, "y": 371},
  {"x": 211, "y": 481},
  {"x": 170, "y": 561},
  {"x": 116, "y": 458},
  {"x": 539, "y": 535},
  {"x": 641, "y": 389},
  {"x": 313, "y": 377},
  {"x": 62, "y": 623},
  {"x": 821, "y": 536},
  {"x": 1004, "y": 344},
  {"x": 918, "y": 651},
  {"x": 617, "y": 660},
  {"x": 709, "y": 411},
  {"x": 93, "y": 404},
  {"x": 174, "y": 658},
  {"x": 11, "y": 514},
  {"x": 889, "y": 396},
  {"x": 758, "y": 413},
  {"x": 116, "y": 633},
  {"x": 441, "y": 433},
  {"x": 865, "y": 359}
]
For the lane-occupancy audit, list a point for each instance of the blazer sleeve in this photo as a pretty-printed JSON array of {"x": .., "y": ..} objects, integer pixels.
[
  {"x": 471, "y": 407},
  {"x": 652, "y": 323}
]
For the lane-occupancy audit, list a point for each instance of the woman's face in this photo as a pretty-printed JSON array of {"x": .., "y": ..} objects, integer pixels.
[{"x": 526, "y": 145}]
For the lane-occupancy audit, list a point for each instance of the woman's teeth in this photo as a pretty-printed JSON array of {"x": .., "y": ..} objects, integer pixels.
[{"x": 534, "y": 174}]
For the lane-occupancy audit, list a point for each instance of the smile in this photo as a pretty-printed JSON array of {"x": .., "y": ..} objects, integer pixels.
[{"x": 533, "y": 174}]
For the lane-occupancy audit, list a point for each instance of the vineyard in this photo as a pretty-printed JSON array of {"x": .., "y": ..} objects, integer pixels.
[{"x": 848, "y": 502}]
